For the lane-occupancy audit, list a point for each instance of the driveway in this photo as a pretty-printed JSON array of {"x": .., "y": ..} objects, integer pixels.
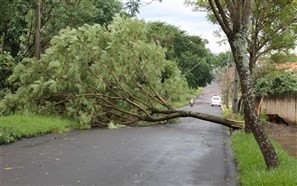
[{"x": 194, "y": 152}]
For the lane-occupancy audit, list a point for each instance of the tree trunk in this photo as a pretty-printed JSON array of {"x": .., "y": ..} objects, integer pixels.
[
  {"x": 252, "y": 61},
  {"x": 227, "y": 98},
  {"x": 236, "y": 29},
  {"x": 37, "y": 29},
  {"x": 165, "y": 115},
  {"x": 171, "y": 114},
  {"x": 238, "y": 45}
]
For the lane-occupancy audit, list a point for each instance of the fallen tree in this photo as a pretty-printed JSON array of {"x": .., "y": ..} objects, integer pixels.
[
  {"x": 171, "y": 114},
  {"x": 98, "y": 76}
]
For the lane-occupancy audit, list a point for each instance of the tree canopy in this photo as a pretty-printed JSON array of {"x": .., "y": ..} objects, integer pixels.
[
  {"x": 271, "y": 30},
  {"x": 99, "y": 75},
  {"x": 18, "y": 18},
  {"x": 189, "y": 52}
]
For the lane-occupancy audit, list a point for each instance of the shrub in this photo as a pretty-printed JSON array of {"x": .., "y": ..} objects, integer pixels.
[{"x": 276, "y": 82}]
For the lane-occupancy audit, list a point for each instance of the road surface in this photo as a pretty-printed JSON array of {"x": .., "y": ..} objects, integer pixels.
[{"x": 194, "y": 152}]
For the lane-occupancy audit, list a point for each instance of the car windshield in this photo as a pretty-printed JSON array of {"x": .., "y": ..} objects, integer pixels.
[{"x": 216, "y": 98}]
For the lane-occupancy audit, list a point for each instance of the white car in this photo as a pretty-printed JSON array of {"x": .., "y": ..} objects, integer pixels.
[{"x": 216, "y": 101}]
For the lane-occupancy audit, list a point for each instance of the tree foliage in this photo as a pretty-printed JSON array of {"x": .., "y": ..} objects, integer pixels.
[
  {"x": 275, "y": 82},
  {"x": 7, "y": 63},
  {"x": 272, "y": 29},
  {"x": 99, "y": 75},
  {"x": 133, "y": 6},
  {"x": 17, "y": 23},
  {"x": 219, "y": 60},
  {"x": 282, "y": 57},
  {"x": 189, "y": 52},
  {"x": 18, "y": 19}
]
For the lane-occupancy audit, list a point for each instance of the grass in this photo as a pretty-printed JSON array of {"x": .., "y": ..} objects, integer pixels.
[
  {"x": 252, "y": 168},
  {"x": 228, "y": 113},
  {"x": 15, "y": 127}
]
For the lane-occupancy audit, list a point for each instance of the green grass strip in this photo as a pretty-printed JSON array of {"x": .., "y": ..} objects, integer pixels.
[
  {"x": 28, "y": 125},
  {"x": 251, "y": 166}
]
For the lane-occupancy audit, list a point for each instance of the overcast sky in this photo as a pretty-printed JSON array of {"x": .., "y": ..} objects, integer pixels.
[{"x": 176, "y": 13}]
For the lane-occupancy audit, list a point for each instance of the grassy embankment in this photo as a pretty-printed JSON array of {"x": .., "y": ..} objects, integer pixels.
[
  {"x": 251, "y": 165},
  {"x": 15, "y": 127}
]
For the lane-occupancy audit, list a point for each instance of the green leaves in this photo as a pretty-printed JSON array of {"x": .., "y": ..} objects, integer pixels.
[
  {"x": 17, "y": 21},
  {"x": 100, "y": 75},
  {"x": 6, "y": 65},
  {"x": 187, "y": 51},
  {"x": 276, "y": 82}
]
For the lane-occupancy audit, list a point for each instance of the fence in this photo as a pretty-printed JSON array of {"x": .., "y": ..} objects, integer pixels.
[{"x": 283, "y": 105}]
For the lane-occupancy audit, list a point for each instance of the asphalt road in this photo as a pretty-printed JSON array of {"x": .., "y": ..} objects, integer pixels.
[{"x": 194, "y": 152}]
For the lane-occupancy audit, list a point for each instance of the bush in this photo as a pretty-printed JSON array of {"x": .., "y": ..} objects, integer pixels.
[
  {"x": 7, "y": 63},
  {"x": 276, "y": 82}
]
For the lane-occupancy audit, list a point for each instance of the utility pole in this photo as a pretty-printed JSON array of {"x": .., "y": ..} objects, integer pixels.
[
  {"x": 227, "y": 86},
  {"x": 37, "y": 28},
  {"x": 235, "y": 98},
  {"x": 229, "y": 81}
]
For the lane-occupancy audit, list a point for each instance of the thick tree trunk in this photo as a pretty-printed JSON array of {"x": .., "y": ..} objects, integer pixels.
[
  {"x": 239, "y": 49},
  {"x": 252, "y": 58},
  {"x": 171, "y": 114},
  {"x": 165, "y": 115},
  {"x": 236, "y": 29}
]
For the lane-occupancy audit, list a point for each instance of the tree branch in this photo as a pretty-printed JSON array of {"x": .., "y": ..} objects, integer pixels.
[{"x": 225, "y": 27}]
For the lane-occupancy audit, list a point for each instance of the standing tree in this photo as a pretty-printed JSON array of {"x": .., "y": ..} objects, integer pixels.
[
  {"x": 234, "y": 18},
  {"x": 225, "y": 76},
  {"x": 236, "y": 31},
  {"x": 271, "y": 29}
]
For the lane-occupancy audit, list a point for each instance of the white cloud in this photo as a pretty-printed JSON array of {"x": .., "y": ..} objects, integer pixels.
[{"x": 176, "y": 13}]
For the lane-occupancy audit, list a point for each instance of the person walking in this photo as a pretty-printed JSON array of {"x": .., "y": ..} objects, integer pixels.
[{"x": 192, "y": 102}]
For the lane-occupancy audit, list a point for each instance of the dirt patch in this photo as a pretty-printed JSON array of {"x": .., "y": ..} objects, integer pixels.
[
  {"x": 287, "y": 65},
  {"x": 285, "y": 135}
]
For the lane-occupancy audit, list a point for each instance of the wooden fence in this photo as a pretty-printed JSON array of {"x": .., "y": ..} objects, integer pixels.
[{"x": 283, "y": 105}]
